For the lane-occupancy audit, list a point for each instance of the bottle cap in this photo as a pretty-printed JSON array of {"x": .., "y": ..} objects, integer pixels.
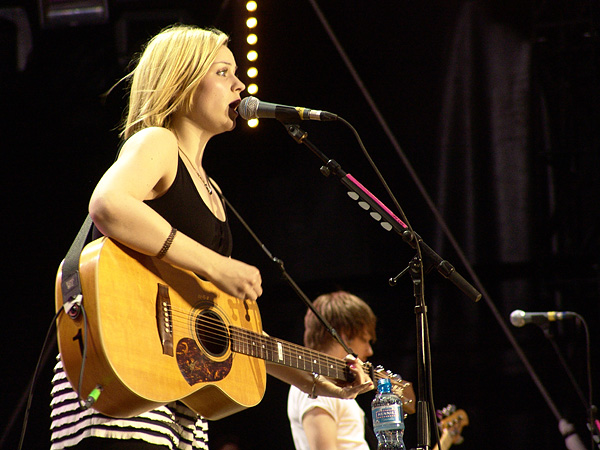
[{"x": 384, "y": 385}]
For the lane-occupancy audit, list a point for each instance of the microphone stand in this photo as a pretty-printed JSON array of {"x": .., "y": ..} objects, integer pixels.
[
  {"x": 550, "y": 337},
  {"x": 388, "y": 220},
  {"x": 425, "y": 260},
  {"x": 424, "y": 358},
  {"x": 566, "y": 428}
]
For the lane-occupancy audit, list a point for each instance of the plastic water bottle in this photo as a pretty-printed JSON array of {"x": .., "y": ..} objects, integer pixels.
[{"x": 388, "y": 417}]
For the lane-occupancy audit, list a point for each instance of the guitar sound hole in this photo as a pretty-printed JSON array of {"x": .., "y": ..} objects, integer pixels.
[{"x": 212, "y": 333}]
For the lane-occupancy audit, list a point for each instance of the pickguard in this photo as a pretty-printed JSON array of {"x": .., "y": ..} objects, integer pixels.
[{"x": 196, "y": 367}]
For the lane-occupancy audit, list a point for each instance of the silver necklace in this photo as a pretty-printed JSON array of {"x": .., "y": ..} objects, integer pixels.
[{"x": 206, "y": 185}]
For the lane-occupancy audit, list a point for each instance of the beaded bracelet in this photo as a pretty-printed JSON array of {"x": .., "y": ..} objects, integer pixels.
[
  {"x": 314, "y": 386},
  {"x": 167, "y": 244}
]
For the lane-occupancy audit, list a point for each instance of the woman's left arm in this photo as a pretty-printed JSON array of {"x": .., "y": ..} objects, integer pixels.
[{"x": 306, "y": 382}]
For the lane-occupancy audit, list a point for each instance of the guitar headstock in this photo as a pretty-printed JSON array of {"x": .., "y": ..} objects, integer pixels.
[
  {"x": 453, "y": 421},
  {"x": 398, "y": 384},
  {"x": 401, "y": 388}
]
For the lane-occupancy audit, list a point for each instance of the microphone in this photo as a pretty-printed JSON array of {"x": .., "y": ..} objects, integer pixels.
[
  {"x": 252, "y": 108},
  {"x": 519, "y": 318}
]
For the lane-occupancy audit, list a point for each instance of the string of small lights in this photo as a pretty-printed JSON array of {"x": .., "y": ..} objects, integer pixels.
[{"x": 251, "y": 52}]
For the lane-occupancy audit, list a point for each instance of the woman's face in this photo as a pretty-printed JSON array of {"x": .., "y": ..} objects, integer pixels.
[{"x": 218, "y": 95}]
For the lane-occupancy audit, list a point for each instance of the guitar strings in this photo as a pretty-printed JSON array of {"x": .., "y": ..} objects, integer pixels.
[
  {"x": 222, "y": 338},
  {"x": 214, "y": 332},
  {"x": 302, "y": 356},
  {"x": 253, "y": 343}
]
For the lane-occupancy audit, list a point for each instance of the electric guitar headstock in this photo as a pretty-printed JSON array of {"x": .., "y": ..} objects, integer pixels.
[
  {"x": 452, "y": 422},
  {"x": 401, "y": 388}
]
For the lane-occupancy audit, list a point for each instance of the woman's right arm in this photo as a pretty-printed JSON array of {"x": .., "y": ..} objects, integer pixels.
[{"x": 145, "y": 168}]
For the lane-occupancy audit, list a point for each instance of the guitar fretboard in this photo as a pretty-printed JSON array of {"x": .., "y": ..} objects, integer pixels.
[{"x": 287, "y": 354}]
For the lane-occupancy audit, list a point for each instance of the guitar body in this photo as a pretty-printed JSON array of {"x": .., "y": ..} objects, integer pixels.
[{"x": 157, "y": 334}]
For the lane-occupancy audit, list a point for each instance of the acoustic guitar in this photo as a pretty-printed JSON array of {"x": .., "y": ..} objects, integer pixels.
[{"x": 156, "y": 333}]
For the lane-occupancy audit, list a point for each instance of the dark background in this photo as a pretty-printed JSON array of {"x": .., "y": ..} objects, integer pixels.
[{"x": 58, "y": 136}]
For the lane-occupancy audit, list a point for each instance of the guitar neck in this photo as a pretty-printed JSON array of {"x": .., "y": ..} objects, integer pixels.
[
  {"x": 445, "y": 440},
  {"x": 287, "y": 354}
]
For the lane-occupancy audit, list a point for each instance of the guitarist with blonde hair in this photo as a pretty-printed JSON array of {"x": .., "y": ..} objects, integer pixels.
[{"x": 157, "y": 201}]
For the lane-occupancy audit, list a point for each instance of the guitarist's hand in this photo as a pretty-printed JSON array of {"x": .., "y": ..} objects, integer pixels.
[
  {"x": 236, "y": 278},
  {"x": 362, "y": 382}
]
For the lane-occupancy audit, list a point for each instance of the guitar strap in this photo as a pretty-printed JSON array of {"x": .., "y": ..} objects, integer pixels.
[{"x": 70, "y": 282}]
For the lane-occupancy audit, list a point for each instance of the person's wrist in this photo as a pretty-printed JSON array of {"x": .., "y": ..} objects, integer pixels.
[{"x": 313, "y": 391}]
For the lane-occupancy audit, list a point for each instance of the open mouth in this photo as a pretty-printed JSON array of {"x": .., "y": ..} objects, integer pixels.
[{"x": 234, "y": 106}]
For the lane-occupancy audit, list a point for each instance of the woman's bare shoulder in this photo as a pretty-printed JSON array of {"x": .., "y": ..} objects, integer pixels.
[
  {"x": 152, "y": 137},
  {"x": 153, "y": 142}
]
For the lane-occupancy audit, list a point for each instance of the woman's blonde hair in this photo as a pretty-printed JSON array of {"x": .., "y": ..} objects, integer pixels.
[
  {"x": 167, "y": 74},
  {"x": 345, "y": 312}
]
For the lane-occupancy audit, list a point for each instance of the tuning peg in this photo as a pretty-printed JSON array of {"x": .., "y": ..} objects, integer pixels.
[{"x": 449, "y": 410}]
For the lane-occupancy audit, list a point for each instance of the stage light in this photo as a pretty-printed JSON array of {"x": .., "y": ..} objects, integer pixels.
[
  {"x": 252, "y": 55},
  {"x": 55, "y": 13},
  {"x": 251, "y": 22},
  {"x": 252, "y": 39},
  {"x": 252, "y": 72},
  {"x": 249, "y": 16}
]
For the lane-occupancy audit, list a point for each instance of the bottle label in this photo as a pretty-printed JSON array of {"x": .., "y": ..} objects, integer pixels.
[{"x": 387, "y": 417}]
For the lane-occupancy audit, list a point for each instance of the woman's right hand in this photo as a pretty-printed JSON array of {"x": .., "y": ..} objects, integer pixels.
[{"x": 237, "y": 278}]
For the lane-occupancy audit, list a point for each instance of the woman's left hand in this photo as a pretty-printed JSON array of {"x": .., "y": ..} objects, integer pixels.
[{"x": 362, "y": 382}]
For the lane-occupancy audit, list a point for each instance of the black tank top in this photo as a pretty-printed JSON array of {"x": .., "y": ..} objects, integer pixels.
[{"x": 185, "y": 210}]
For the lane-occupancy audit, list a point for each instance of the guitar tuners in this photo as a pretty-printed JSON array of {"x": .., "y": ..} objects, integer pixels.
[
  {"x": 446, "y": 411},
  {"x": 388, "y": 373}
]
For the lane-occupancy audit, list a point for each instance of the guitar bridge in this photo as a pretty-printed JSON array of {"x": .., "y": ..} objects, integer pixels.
[{"x": 164, "y": 319}]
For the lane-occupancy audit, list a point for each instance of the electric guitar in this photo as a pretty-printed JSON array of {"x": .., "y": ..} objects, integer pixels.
[
  {"x": 451, "y": 424},
  {"x": 153, "y": 333}
]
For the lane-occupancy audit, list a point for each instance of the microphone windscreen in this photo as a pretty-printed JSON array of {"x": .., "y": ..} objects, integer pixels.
[
  {"x": 517, "y": 318},
  {"x": 248, "y": 108}
]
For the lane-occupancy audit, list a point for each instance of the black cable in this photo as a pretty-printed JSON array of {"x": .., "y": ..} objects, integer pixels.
[
  {"x": 35, "y": 376},
  {"x": 41, "y": 360},
  {"x": 279, "y": 263}
]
